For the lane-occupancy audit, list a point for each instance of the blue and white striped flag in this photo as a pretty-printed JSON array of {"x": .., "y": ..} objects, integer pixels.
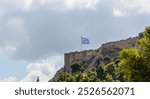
[{"x": 85, "y": 40}]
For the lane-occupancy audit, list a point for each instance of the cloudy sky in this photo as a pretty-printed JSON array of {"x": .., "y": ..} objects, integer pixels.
[{"x": 34, "y": 34}]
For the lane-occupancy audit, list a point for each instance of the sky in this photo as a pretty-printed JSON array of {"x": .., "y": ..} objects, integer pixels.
[{"x": 35, "y": 34}]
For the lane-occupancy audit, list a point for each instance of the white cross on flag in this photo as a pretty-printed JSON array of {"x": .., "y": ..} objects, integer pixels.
[{"x": 85, "y": 40}]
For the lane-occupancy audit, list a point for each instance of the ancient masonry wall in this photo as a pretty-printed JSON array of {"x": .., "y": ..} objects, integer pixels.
[
  {"x": 87, "y": 54},
  {"x": 74, "y": 56}
]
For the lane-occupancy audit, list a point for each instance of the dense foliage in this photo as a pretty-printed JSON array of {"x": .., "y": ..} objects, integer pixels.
[
  {"x": 135, "y": 63},
  {"x": 100, "y": 73}
]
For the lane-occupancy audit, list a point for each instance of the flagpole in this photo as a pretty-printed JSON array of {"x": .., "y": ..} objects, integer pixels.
[
  {"x": 81, "y": 40},
  {"x": 81, "y": 46}
]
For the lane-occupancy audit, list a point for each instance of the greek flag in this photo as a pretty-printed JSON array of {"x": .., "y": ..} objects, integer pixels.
[{"x": 85, "y": 40}]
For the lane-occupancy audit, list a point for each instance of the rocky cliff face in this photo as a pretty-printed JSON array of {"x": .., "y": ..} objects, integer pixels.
[{"x": 93, "y": 58}]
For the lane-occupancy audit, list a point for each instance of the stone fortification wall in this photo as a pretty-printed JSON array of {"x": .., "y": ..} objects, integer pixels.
[
  {"x": 75, "y": 56},
  {"x": 104, "y": 49}
]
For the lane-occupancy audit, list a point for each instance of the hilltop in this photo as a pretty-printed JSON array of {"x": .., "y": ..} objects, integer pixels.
[{"x": 102, "y": 64}]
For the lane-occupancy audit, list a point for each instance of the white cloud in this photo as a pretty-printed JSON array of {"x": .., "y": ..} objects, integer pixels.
[
  {"x": 8, "y": 49},
  {"x": 17, "y": 4},
  {"x": 131, "y": 7},
  {"x": 45, "y": 69},
  {"x": 1, "y": 13},
  {"x": 27, "y": 5},
  {"x": 81, "y": 4},
  {"x": 69, "y": 4},
  {"x": 123, "y": 6},
  {"x": 9, "y": 79},
  {"x": 24, "y": 4},
  {"x": 15, "y": 22},
  {"x": 118, "y": 13},
  {"x": 13, "y": 34}
]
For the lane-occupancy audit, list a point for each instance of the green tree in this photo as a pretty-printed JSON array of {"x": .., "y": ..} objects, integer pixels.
[
  {"x": 65, "y": 77},
  {"x": 101, "y": 72},
  {"x": 92, "y": 76},
  {"x": 144, "y": 50},
  {"x": 107, "y": 59},
  {"x": 110, "y": 68},
  {"x": 78, "y": 77},
  {"x": 76, "y": 67},
  {"x": 109, "y": 78},
  {"x": 85, "y": 79},
  {"x": 135, "y": 63},
  {"x": 129, "y": 63}
]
